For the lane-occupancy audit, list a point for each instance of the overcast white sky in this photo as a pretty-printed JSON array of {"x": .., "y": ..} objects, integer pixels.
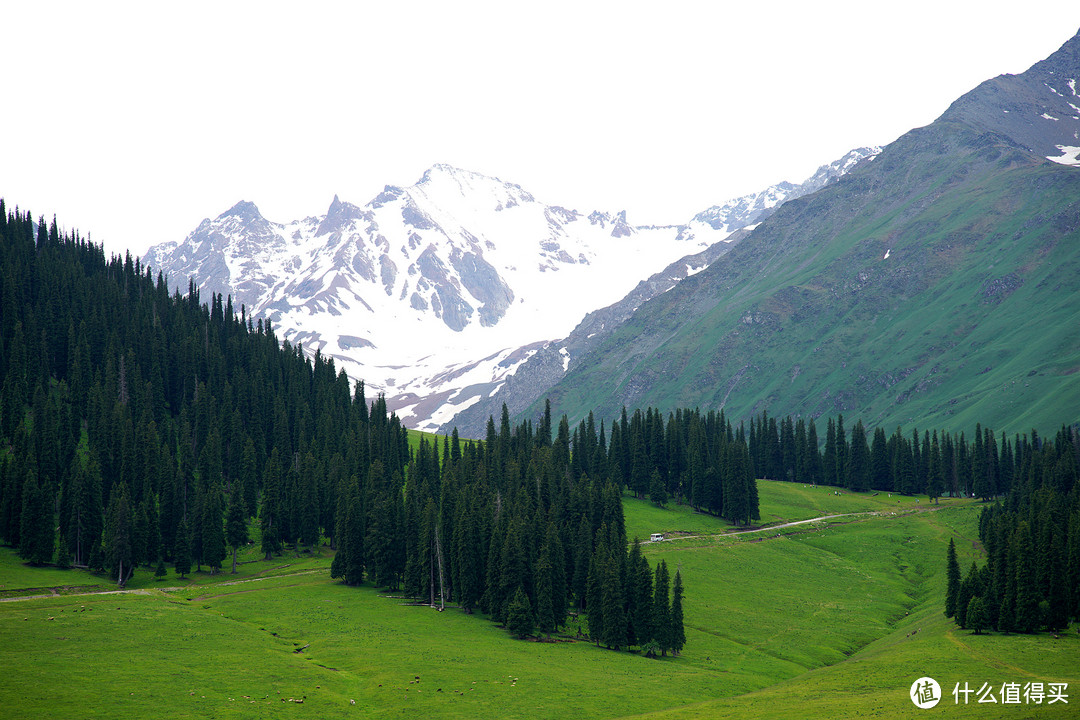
[{"x": 135, "y": 121}]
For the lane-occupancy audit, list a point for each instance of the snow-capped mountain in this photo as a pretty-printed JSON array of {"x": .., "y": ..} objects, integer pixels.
[
  {"x": 751, "y": 209},
  {"x": 434, "y": 293}
]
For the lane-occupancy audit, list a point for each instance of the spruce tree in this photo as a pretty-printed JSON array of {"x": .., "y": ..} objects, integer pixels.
[
  {"x": 85, "y": 523},
  {"x": 880, "y": 472},
  {"x": 813, "y": 455},
  {"x": 1027, "y": 591},
  {"x": 977, "y": 618},
  {"x": 552, "y": 550},
  {"x": 545, "y": 605},
  {"x": 638, "y": 597},
  {"x": 842, "y": 450},
  {"x": 249, "y": 478},
  {"x": 857, "y": 460},
  {"x": 678, "y": 631},
  {"x": 657, "y": 491},
  {"x": 308, "y": 529},
  {"x": 662, "y": 609},
  {"x": 153, "y": 524},
  {"x": 355, "y": 536},
  {"x": 269, "y": 519},
  {"x": 182, "y": 550},
  {"x": 236, "y": 530},
  {"x": 118, "y": 552},
  {"x": 952, "y": 575},
  {"x": 829, "y": 456},
  {"x": 594, "y": 596},
  {"x": 935, "y": 480},
  {"x": 213, "y": 528},
  {"x": 140, "y": 535},
  {"x": 582, "y": 560},
  {"x": 37, "y": 536},
  {"x": 519, "y": 615}
]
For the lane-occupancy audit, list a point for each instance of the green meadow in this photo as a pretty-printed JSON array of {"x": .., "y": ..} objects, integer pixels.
[{"x": 830, "y": 619}]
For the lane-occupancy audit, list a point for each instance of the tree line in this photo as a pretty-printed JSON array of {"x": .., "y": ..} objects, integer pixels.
[
  {"x": 936, "y": 464},
  {"x": 1031, "y": 538}
]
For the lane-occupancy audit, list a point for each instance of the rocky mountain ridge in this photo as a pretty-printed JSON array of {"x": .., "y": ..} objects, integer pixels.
[{"x": 435, "y": 293}]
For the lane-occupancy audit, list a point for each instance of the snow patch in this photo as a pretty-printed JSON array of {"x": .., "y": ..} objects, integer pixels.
[
  {"x": 887, "y": 254},
  {"x": 565, "y": 358},
  {"x": 691, "y": 270},
  {"x": 1070, "y": 155},
  {"x": 1048, "y": 116}
]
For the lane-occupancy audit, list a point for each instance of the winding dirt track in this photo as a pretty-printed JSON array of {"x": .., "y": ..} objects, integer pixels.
[
  {"x": 769, "y": 528},
  {"x": 153, "y": 591}
]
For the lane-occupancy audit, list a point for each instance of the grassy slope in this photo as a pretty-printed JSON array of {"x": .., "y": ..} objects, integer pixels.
[
  {"x": 815, "y": 623},
  {"x": 974, "y": 316}
]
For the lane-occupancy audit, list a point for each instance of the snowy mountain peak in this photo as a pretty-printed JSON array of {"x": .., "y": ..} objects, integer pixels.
[
  {"x": 447, "y": 186},
  {"x": 435, "y": 292},
  {"x": 750, "y": 209},
  {"x": 244, "y": 211},
  {"x": 338, "y": 216}
]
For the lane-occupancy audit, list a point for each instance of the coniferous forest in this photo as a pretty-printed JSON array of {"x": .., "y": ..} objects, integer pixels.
[
  {"x": 1031, "y": 578},
  {"x": 140, "y": 427}
]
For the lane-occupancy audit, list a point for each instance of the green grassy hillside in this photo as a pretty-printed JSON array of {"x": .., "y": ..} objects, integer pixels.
[
  {"x": 830, "y": 619},
  {"x": 936, "y": 285}
]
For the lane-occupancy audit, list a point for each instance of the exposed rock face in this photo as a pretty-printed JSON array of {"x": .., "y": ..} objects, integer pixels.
[
  {"x": 435, "y": 293},
  {"x": 1038, "y": 109}
]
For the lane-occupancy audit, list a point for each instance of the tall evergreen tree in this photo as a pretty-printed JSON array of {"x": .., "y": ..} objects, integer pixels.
[
  {"x": 598, "y": 572},
  {"x": 662, "y": 609},
  {"x": 183, "y": 549},
  {"x": 213, "y": 529},
  {"x": 880, "y": 472},
  {"x": 678, "y": 630},
  {"x": 519, "y": 615},
  {"x": 37, "y": 536},
  {"x": 858, "y": 460},
  {"x": 236, "y": 530},
  {"x": 118, "y": 551},
  {"x": 829, "y": 458},
  {"x": 638, "y": 597},
  {"x": 545, "y": 603},
  {"x": 952, "y": 575},
  {"x": 977, "y": 615}
]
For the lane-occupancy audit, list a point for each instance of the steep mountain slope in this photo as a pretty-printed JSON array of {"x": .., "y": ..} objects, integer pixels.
[
  {"x": 548, "y": 361},
  {"x": 436, "y": 292},
  {"x": 938, "y": 285}
]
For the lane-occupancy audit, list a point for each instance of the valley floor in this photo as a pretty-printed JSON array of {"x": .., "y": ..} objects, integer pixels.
[{"x": 831, "y": 618}]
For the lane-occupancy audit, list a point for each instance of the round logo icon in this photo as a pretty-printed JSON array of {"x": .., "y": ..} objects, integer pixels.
[{"x": 925, "y": 693}]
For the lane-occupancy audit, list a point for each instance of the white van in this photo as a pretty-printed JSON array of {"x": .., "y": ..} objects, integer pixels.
[{"x": 656, "y": 537}]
